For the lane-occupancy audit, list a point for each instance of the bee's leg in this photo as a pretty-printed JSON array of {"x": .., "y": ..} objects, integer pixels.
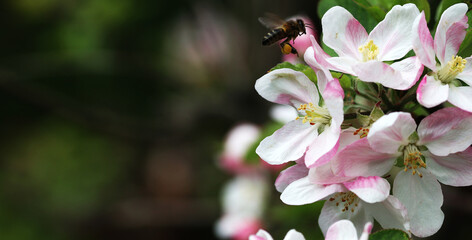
[{"x": 285, "y": 47}]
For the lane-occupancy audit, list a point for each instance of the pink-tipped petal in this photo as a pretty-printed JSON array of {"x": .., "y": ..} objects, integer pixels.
[
  {"x": 431, "y": 92},
  {"x": 333, "y": 96},
  {"x": 369, "y": 189},
  {"x": 348, "y": 137},
  {"x": 454, "y": 169},
  {"x": 461, "y": 97},
  {"x": 422, "y": 197},
  {"x": 450, "y": 32},
  {"x": 294, "y": 235},
  {"x": 393, "y": 35},
  {"x": 366, "y": 232},
  {"x": 360, "y": 159},
  {"x": 423, "y": 43},
  {"x": 391, "y": 131},
  {"x": 288, "y": 143},
  {"x": 466, "y": 74},
  {"x": 342, "y": 32},
  {"x": 322, "y": 73},
  {"x": 390, "y": 214},
  {"x": 290, "y": 175},
  {"x": 302, "y": 192},
  {"x": 287, "y": 86},
  {"x": 446, "y": 131},
  {"x": 400, "y": 75},
  {"x": 341, "y": 230},
  {"x": 332, "y": 212}
]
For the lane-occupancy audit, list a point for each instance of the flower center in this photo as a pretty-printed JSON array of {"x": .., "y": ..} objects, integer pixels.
[
  {"x": 412, "y": 159},
  {"x": 449, "y": 72},
  {"x": 369, "y": 51},
  {"x": 362, "y": 132},
  {"x": 314, "y": 114},
  {"x": 346, "y": 201}
]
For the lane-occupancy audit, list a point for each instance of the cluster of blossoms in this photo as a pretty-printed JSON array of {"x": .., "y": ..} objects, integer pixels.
[{"x": 350, "y": 144}]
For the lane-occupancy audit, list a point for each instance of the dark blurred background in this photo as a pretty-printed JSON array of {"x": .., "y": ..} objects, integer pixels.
[{"x": 112, "y": 113}]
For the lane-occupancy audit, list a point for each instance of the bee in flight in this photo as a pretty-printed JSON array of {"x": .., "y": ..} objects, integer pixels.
[{"x": 288, "y": 29}]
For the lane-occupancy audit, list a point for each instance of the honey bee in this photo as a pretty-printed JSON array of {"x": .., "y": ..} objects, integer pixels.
[{"x": 288, "y": 29}]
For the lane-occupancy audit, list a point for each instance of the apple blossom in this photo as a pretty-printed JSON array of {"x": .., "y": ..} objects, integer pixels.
[
  {"x": 439, "y": 151},
  {"x": 441, "y": 85},
  {"x": 237, "y": 143},
  {"x": 364, "y": 55},
  {"x": 316, "y": 132}
]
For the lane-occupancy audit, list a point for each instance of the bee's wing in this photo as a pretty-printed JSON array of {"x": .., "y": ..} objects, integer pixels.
[{"x": 271, "y": 21}]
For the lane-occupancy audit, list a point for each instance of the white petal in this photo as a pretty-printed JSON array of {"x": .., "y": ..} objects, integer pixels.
[
  {"x": 290, "y": 175},
  {"x": 283, "y": 113},
  {"x": 324, "y": 147},
  {"x": 343, "y": 64},
  {"x": 325, "y": 175},
  {"x": 391, "y": 131},
  {"x": 369, "y": 189},
  {"x": 302, "y": 192},
  {"x": 454, "y": 169},
  {"x": 466, "y": 74},
  {"x": 461, "y": 97},
  {"x": 366, "y": 232},
  {"x": 390, "y": 214},
  {"x": 423, "y": 199},
  {"x": 330, "y": 213},
  {"x": 450, "y": 32},
  {"x": 341, "y": 230},
  {"x": 288, "y": 143},
  {"x": 237, "y": 143},
  {"x": 294, "y": 235},
  {"x": 261, "y": 235},
  {"x": 431, "y": 92},
  {"x": 423, "y": 43},
  {"x": 287, "y": 86},
  {"x": 446, "y": 131},
  {"x": 342, "y": 32},
  {"x": 393, "y": 35}
]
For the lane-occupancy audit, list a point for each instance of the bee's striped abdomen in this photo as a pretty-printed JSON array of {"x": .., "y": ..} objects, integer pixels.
[{"x": 273, "y": 36}]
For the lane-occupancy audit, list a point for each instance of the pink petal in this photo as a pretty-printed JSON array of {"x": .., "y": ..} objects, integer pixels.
[
  {"x": 391, "y": 131},
  {"x": 341, "y": 230},
  {"x": 431, "y": 92},
  {"x": 423, "y": 199},
  {"x": 325, "y": 175},
  {"x": 287, "y": 86},
  {"x": 333, "y": 99},
  {"x": 400, "y": 75},
  {"x": 393, "y": 35},
  {"x": 369, "y": 189},
  {"x": 290, "y": 175},
  {"x": 294, "y": 235},
  {"x": 359, "y": 159},
  {"x": 347, "y": 137},
  {"x": 316, "y": 57},
  {"x": 237, "y": 143},
  {"x": 288, "y": 143},
  {"x": 390, "y": 214},
  {"x": 423, "y": 44},
  {"x": 461, "y": 97},
  {"x": 450, "y": 32},
  {"x": 331, "y": 213},
  {"x": 302, "y": 192},
  {"x": 454, "y": 169},
  {"x": 446, "y": 131},
  {"x": 466, "y": 74},
  {"x": 324, "y": 147},
  {"x": 343, "y": 33},
  {"x": 343, "y": 64}
]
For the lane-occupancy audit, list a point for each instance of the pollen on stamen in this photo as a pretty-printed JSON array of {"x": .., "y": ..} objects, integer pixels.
[
  {"x": 412, "y": 159},
  {"x": 314, "y": 114},
  {"x": 362, "y": 132},
  {"x": 449, "y": 72},
  {"x": 369, "y": 51}
]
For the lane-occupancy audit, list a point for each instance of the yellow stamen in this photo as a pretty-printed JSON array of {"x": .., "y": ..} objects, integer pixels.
[
  {"x": 412, "y": 159},
  {"x": 449, "y": 72},
  {"x": 314, "y": 114},
  {"x": 369, "y": 51}
]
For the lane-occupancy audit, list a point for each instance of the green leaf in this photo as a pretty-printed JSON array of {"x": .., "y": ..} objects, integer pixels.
[
  {"x": 360, "y": 13},
  {"x": 389, "y": 234},
  {"x": 307, "y": 70},
  {"x": 344, "y": 79}
]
